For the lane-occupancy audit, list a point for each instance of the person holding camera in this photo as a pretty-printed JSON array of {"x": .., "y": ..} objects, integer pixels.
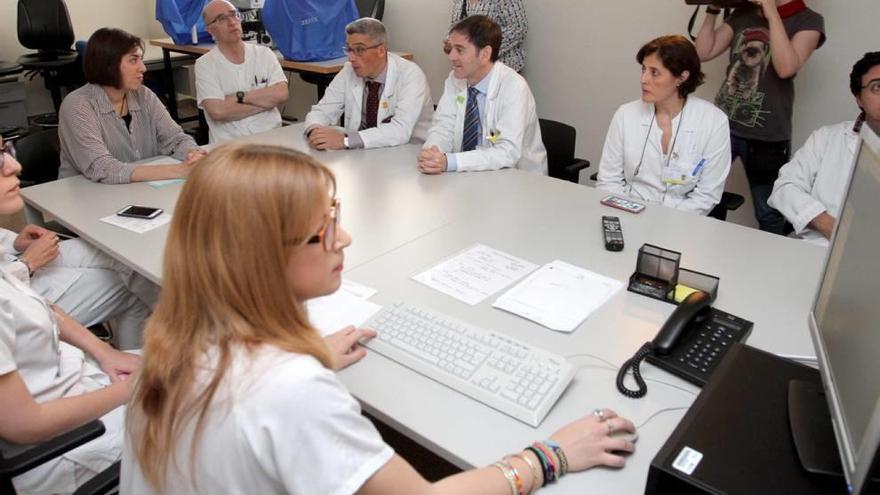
[{"x": 769, "y": 43}]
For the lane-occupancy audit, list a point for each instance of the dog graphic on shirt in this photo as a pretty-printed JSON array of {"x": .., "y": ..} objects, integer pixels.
[{"x": 753, "y": 55}]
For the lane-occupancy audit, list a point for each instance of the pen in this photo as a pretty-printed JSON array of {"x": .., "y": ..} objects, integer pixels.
[{"x": 698, "y": 167}]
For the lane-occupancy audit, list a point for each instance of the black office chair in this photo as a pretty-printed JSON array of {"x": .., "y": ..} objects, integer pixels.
[
  {"x": 18, "y": 459},
  {"x": 729, "y": 202},
  {"x": 371, "y": 8},
  {"x": 559, "y": 140},
  {"x": 366, "y": 8},
  {"x": 44, "y": 25},
  {"x": 39, "y": 155}
]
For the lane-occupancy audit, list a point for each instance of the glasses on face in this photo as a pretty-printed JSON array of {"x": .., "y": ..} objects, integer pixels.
[
  {"x": 358, "y": 51},
  {"x": 7, "y": 148},
  {"x": 232, "y": 14},
  {"x": 873, "y": 86},
  {"x": 327, "y": 235}
]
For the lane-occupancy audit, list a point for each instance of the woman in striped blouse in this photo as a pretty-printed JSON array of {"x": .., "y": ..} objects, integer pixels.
[{"x": 114, "y": 122}]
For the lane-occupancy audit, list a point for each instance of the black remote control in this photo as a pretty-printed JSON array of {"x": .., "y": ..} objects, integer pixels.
[{"x": 613, "y": 234}]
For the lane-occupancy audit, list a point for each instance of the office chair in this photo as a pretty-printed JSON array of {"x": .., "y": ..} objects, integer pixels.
[
  {"x": 44, "y": 25},
  {"x": 366, "y": 8},
  {"x": 559, "y": 140},
  {"x": 729, "y": 202},
  {"x": 39, "y": 155},
  {"x": 371, "y": 8},
  {"x": 18, "y": 459}
]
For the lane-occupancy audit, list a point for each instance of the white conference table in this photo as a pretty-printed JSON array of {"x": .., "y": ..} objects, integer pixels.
[{"x": 402, "y": 222}]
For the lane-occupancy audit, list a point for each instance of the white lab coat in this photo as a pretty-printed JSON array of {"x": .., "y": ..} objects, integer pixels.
[
  {"x": 815, "y": 179},
  {"x": 510, "y": 117},
  {"x": 89, "y": 286},
  {"x": 701, "y": 155},
  {"x": 405, "y": 106},
  {"x": 50, "y": 369}
]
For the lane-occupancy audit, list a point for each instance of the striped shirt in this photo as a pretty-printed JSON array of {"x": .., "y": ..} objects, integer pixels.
[
  {"x": 510, "y": 15},
  {"x": 95, "y": 141}
]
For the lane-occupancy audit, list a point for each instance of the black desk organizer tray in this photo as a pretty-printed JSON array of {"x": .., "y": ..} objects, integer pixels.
[{"x": 659, "y": 272}]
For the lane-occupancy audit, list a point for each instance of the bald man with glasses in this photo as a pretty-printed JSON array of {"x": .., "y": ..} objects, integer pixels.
[
  {"x": 239, "y": 85},
  {"x": 385, "y": 99}
]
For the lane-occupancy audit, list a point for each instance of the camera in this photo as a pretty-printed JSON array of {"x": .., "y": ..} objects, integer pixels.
[{"x": 724, "y": 4}]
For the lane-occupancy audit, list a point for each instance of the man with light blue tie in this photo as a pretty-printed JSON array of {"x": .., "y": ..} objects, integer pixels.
[{"x": 486, "y": 119}]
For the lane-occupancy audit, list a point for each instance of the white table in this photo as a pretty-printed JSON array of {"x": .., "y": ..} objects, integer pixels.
[{"x": 402, "y": 222}]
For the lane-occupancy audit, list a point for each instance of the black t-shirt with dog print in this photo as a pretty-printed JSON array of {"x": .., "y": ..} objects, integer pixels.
[{"x": 757, "y": 101}]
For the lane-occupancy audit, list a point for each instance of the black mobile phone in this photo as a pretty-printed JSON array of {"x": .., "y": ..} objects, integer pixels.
[{"x": 146, "y": 212}]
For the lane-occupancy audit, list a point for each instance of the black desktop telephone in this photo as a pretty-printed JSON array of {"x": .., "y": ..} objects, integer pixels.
[{"x": 690, "y": 344}]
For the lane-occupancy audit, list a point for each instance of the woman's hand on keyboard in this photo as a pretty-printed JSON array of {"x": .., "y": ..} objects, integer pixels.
[
  {"x": 345, "y": 345},
  {"x": 593, "y": 441}
]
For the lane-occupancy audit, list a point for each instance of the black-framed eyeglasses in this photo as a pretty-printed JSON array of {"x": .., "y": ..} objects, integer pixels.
[
  {"x": 327, "y": 235},
  {"x": 358, "y": 51},
  {"x": 873, "y": 86},
  {"x": 225, "y": 17},
  {"x": 7, "y": 148}
]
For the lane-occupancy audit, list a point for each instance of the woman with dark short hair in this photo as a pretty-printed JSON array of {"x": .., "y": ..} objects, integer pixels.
[
  {"x": 114, "y": 121},
  {"x": 668, "y": 147}
]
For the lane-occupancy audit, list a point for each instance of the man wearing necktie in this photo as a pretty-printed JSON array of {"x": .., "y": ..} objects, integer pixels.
[
  {"x": 385, "y": 99},
  {"x": 486, "y": 118}
]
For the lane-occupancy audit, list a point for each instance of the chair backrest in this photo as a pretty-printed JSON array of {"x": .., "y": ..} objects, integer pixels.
[
  {"x": 371, "y": 8},
  {"x": 559, "y": 140},
  {"x": 39, "y": 155},
  {"x": 44, "y": 25}
]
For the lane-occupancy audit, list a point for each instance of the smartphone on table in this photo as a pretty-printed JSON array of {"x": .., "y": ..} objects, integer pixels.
[
  {"x": 623, "y": 204},
  {"x": 145, "y": 212}
]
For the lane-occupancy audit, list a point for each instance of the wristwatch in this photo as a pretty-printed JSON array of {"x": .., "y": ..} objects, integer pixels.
[
  {"x": 239, "y": 96},
  {"x": 710, "y": 9}
]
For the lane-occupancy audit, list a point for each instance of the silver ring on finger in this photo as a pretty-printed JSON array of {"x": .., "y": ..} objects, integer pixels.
[
  {"x": 599, "y": 413},
  {"x": 610, "y": 427}
]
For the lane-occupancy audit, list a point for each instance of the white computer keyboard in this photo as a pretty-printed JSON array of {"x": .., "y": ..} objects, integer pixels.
[{"x": 509, "y": 375}]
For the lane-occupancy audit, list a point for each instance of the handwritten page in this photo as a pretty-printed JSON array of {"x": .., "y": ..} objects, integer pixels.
[
  {"x": 475, "y": 274},
  {"x": 137, "y": 225},
  {"x": 559, "y": 296},
  {"x": 347, "y": 306}
]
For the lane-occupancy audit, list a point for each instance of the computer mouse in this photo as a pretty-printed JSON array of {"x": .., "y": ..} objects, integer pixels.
[{"x": 629, "y": 437}]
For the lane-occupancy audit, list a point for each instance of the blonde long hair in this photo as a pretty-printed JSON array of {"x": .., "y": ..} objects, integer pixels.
[{"x": 240, "y": 214}]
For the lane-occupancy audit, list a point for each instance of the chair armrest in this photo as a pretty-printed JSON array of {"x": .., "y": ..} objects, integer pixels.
[
  {"x": 731, "y": 201},
  {"x": 103, "y": 482},
  {"x": 577, "y": 166},
  {"x": 16, "y": 459}
]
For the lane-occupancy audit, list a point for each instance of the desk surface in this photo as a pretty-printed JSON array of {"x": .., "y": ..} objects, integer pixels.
[
  {"x": 321, "y": 67},
  {"x": 402, "y": 222}
]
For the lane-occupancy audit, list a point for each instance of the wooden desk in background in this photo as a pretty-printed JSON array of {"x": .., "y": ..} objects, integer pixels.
[{"x": 322, "y": 68}]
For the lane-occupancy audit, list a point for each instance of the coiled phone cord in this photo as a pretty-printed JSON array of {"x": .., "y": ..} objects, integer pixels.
[{"x": 634, "y": 363}]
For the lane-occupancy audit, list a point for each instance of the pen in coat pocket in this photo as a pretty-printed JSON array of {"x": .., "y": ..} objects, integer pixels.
[{"x": 698, "y": 167}]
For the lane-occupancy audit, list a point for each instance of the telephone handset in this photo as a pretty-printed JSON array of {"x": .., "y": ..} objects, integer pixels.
[{"x": 694, "y": 309}]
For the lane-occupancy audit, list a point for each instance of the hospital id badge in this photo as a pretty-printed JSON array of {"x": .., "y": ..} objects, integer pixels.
[{"x": 675, "y": 175}]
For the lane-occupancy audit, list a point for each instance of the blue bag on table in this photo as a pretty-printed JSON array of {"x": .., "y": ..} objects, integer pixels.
[
  {"x": 309, "y": 30},
  {"x": 178, "y": 18}
]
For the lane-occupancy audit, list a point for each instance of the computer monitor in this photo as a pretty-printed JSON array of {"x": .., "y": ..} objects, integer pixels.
[{"x": 845, "y": 319}]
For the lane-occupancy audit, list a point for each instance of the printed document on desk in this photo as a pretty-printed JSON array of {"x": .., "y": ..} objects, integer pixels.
[
  {"x": 137, "y": 225},
  {"x": 346, "y": 306},
  {"x": 475, "y": 274},
  {"x": 559, "y": 296}
]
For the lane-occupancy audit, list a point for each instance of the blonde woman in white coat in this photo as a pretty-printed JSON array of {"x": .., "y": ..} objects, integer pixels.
[
  {"x": 506, "y": 134},
  {"x": 668, "y": 148}
]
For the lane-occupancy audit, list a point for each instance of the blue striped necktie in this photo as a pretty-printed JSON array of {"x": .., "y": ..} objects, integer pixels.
[{"x": 471, "y": 135}]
